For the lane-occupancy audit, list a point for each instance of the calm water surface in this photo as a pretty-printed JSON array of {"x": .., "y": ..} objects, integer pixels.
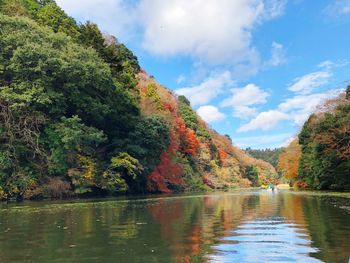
[{"x": 246, "y": 226}]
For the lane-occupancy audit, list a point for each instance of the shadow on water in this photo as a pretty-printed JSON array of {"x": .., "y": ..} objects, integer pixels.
[{"x": 248, "y": 226}]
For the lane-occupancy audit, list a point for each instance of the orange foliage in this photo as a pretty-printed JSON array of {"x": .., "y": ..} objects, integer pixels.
[
  {"x": 181, "y": 127},
  {"x": 301, "y": 185},
  {"x": 222, "y": 155},
  {"x": 338, "y": 140},
  {"x": 288, "y": 161},
  {"x": 191, "y": 142}
]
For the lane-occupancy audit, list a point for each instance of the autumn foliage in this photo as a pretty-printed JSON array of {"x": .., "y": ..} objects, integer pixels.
[
  {"x": 191, "y": 142},
  {"x": 168, "y": 173},
  {"x": 222, "y": 156},
  {"x": 288, "y": 162},
  {"x": 190, "y": 162}
]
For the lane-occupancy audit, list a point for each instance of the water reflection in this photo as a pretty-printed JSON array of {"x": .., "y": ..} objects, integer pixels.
[{"x": 249, "y": 226}]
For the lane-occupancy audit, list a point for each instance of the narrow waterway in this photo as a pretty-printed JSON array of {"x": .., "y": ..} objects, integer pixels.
[{"x": 238, "y": 226}]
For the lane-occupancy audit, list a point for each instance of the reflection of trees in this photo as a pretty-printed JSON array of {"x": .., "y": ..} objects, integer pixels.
[
  {"x": 75, "y": 233},
  {"x": 191, "y": 225},
  {"x": 180, "y": 229},
  {"x": 329, "y": 227},
  {"x": 197, "y": 223},
  {"x": 292, "y": 208}
]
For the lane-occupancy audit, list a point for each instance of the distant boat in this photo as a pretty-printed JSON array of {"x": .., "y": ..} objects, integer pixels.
[{"x": 268, "y": 187}]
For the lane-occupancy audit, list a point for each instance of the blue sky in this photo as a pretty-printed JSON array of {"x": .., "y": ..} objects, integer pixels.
[{"x": 253, "y": 69}]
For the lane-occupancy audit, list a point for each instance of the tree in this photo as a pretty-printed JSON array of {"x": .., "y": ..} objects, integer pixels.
[
  {"x": 122, "y": 174},
  {"x": 68, "y": 138},
  {"x": 61, "y": 109},
  {"x": 148, "y": 140},
  {"x": 51, "y": 15},
  {"x": 253, "y": 175},
  {"x": 168, "y": 174},
  {"x": 288, "y": 161},
  {"x": 191, "y": 143},
  {"x": 191, "y": 119},
  {"x": 325, "y": 141}
]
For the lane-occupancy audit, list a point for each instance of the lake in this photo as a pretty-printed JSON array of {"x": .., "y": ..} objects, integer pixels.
[{"x": 237, "y": 226}]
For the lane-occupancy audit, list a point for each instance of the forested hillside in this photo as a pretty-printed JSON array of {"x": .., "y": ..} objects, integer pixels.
[
  {"x": 268, "y": 155},
  {"x": 320, "y": 158},
  {"x": 78, "y": 115}
]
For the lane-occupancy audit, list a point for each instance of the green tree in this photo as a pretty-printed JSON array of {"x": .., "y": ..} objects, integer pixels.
[
  {"x": 123, "y": 174},
  {"x": 253, "y": 175},
  {"x": 149, "y": 139},
  {"x": 68, "y": 138},
  {"x": 53, "y": 16},
  {"x": 191, "y": 119}
]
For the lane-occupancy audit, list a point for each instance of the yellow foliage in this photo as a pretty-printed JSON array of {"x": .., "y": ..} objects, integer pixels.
[
  {"x": 288, "y": 161},
  {"x": 88, "y": 165},
  {"x": 3, "y": 195}
]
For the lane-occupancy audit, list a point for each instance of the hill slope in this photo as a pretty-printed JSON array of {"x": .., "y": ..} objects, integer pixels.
[{"x": 77, "y": 115}]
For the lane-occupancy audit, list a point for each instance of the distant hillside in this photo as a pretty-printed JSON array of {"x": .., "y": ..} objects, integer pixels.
[
  {"x": 268, "y": 155},
  {"x": 79, "y": 116}
]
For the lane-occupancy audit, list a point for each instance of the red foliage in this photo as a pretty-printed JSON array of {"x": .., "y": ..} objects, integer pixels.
[
  {"x": 222, "y": 156},
  {"x": 168, "y": 172},
  {"x": 301, "y": 185},
  {"x": 168, "y": 106},
  {"x": 191, "y": 142},
  {"x": 156, "y": 182},
  {"x": 181, "y": 127},
  {"x": 207, "y": 181}
]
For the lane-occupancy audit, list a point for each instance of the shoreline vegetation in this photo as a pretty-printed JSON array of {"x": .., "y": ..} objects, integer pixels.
[
  {"x": 280, "y": 188},
  {"x": 319, "y": 158},
  {"x": 79, "y": 117}
]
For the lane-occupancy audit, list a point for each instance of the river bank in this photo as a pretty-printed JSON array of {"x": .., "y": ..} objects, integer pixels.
[{"x": 75, "y": 199}]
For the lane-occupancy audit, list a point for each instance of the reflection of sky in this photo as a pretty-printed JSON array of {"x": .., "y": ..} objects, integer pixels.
[{"x": 265, "y": 240}]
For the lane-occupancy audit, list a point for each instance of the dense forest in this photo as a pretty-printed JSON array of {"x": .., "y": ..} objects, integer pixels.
[
  {"x": 79, "y": 116},
  {"x": 268, "y": 155},
  {"x": 320, "y": 157}
]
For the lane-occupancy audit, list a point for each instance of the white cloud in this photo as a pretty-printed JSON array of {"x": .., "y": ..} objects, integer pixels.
[
  {"x": 339, "y": 7},
  {"x": 208, "y": 89},
  {"x": 242, "y": 98},
  {"x": 274, "y": 8},
  {"x": 210, "y": 113},
  {"x": 180, "y": 79},
  {"x": 300, "y": 107},
  {"x": 113, "y": 16},
  {"x": 278, "y": 55},
  {"x": 296, "y": 109},
  {"x": 210, "y": 31},
  {"x": 307, "y": 83},
  {"x": 287, "y": 141},
  {"x": 264, "y": 121},
  {"x": 246, "y": 96},
  {"x": 262, "y": 141},
  {"x": 326, "y": 64},
  {"x": 244, "y": 112}
]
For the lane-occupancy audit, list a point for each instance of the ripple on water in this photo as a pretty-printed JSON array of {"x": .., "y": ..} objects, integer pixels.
[{"x": 265, "y": 240}]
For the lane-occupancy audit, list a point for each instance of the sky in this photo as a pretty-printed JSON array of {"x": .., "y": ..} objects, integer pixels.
[{"x": 253, "y": 69}]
